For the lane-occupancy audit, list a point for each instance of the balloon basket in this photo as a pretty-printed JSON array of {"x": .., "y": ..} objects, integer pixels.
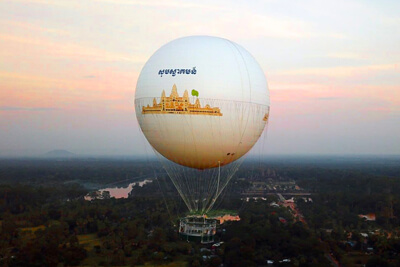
[{"x": 198, "y": 229}]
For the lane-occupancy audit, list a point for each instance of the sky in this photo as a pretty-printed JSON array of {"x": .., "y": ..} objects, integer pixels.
[{"x": 68, "y": 70}]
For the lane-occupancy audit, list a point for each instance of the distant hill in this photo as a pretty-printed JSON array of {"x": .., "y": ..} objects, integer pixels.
[{"x": 59, "y": 153}]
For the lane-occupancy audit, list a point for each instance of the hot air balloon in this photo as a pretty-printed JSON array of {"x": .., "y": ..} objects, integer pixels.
[{"x": 202, "y": 103}]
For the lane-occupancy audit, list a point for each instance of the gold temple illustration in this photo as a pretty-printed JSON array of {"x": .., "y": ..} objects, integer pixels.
[{"x": 175, "y": 104}]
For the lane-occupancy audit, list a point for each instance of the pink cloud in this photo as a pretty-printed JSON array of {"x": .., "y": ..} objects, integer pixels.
[
  {"x": 72, "y": 51},
  {"x": 106, "y": 90}
]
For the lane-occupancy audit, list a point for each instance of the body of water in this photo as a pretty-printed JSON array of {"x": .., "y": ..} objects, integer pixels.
[{"x": 116, "y": 192}]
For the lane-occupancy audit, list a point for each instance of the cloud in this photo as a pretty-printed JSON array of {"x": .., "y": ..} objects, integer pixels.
[
  {"x": 72, "y": 50},
  {"x": 89, "y": 76},
  {"x": 5, "y": 108},
  {"x": 110, "y": 90},
  {"x": 244, "y": 24},
  {"x": 157, "y": 4},
  {"x": 391, "y": 21},
  {"x": 25, "y": 26},
  {"x": 145, "y": 3},
  {"x": 328, "y": 98},
  {"x": 44, "y": 2},
  {"x": 344, "y": 55},
  {"x": 341, "y": 71}
]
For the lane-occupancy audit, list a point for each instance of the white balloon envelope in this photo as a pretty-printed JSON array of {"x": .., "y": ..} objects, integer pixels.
[{"x": 202, "y": 102}]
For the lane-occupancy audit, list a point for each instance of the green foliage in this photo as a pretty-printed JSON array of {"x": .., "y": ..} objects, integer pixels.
[
  {"x": 195, "y": 93},
  {"x": 260, "y": 236},
  {"x": 46, "y": 222}
]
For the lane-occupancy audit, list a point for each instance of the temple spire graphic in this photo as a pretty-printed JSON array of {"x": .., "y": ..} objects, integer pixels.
[
  {"x": 174, "y": 92},
  {"x": 174, "y": 104}
]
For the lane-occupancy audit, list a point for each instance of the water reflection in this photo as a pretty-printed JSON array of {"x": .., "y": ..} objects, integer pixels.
[
  {"x": 227, "y": 217},
  {"x": 116, "y": 192}
]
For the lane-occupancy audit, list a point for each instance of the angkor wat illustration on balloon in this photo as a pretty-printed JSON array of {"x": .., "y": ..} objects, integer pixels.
[{"x": 175, "y": 104}]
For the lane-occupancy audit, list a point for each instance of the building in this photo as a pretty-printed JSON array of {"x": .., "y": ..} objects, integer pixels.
[{"x": 368, "y": 217}]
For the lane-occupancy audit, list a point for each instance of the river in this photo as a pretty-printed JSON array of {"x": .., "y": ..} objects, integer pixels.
[{"x": 116, "y": 192}]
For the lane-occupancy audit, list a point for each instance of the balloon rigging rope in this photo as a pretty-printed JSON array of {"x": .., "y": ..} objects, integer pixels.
[
  {"x": 170, "y": 171},
  {"x": 230, "y": 175},
  {"x": 165, "y": 201},
  {"x": 203, "y": 185}
]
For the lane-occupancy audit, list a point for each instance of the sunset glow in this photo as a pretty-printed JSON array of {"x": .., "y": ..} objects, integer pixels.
[{"x": 68, "y": 70}]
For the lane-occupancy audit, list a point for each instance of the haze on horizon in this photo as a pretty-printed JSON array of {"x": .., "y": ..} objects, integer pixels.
[{"x": 68, "y": 71}]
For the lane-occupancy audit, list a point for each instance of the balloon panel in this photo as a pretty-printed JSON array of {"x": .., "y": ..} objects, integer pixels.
[
  {"x": 204, "y": 141},
  {"x": 202, "y": 101},
  {"x": 217, "y": 68}
]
